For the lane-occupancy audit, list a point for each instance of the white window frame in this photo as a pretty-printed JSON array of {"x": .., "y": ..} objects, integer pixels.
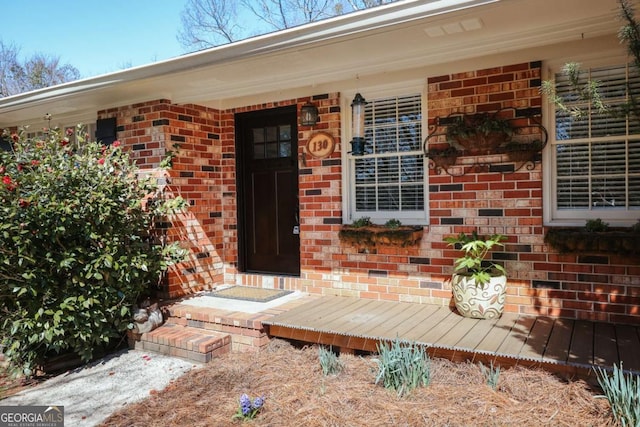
[
  {"x": 350, "y": 213},
  {"x": 36, "y": 129},
  {"x": 574, "y": 217}
]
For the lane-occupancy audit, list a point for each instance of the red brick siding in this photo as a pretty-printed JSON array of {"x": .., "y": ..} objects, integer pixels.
[
  {"x": 150, "y": 130},
  {"x": 488, "y": 199}
]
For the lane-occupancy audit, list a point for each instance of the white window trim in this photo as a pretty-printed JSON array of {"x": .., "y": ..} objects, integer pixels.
[
  {"x": 348, "y": 172},
  {"x": 551, "y": 216}
]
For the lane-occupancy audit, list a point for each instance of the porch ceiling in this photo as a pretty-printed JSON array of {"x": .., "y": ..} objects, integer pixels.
[{"x": 402, "y": 36}]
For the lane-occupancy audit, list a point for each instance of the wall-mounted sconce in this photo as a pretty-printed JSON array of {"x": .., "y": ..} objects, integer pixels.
[
  {"x": 357, "y": 125},
  {"x": 309, "y": 115}
]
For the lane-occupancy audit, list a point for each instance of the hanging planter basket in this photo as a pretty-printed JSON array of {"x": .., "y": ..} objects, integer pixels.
[{"x": 479, "y": 133}]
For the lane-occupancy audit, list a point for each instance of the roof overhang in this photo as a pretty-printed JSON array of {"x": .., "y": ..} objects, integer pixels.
[{"x": 380, "y": 41}]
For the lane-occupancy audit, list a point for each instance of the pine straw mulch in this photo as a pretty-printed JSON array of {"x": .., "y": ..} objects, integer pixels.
[{"x": 297, "y": 393}]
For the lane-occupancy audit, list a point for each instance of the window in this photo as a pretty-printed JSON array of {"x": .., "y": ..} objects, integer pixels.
[
  {"x": 272, "y": 142},
  {"x": 596, "y": 156},
  {"x": 388, "y": 181}
]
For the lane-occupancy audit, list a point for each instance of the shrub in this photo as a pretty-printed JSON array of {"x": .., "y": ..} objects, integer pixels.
[
  {"x": 402, "y": 367},
  {"x": 77, "y": 245}
]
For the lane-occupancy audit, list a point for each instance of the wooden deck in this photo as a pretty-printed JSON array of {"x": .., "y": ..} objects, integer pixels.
[{"x": 568, "y": 347}]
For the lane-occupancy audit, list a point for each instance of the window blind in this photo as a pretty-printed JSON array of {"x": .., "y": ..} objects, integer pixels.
[
  {"x": 598, "y": 153},
  {"x": 390, "y": 176}
]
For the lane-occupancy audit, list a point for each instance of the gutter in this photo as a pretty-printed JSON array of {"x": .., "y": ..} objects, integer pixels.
[{"x": 343, "y": 26}]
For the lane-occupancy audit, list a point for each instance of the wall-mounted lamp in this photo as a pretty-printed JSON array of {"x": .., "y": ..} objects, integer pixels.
[
  {"x": 357, "y": 125},
  {"x": 309, "y": 114}
]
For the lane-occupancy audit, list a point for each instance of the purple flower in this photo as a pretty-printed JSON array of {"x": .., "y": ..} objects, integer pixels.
[
  {"x": 258, "y": 402},
  {"x": 245, "y": 404}
]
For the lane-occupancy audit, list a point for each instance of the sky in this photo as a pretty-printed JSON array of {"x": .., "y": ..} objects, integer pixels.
[{"x": 96, "y": 37}]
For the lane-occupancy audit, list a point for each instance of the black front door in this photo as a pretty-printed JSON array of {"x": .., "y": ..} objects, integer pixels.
[{"x": 266, "y": 143}]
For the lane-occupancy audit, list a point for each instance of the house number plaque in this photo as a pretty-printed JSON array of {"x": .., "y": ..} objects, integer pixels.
[{"x": 321, "y": 145}]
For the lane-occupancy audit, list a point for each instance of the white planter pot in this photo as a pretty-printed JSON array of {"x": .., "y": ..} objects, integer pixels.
[{"x": 479, "y": 302}]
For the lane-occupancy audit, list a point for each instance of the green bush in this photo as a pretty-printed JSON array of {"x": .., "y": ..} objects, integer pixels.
[{"x": 77, "y": 245}]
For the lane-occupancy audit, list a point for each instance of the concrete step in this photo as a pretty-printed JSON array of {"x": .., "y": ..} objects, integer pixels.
[{"x": 199, "y": 345}]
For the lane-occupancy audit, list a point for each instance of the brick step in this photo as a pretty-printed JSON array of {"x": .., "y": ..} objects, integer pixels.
[{"x": 199, "y": 345}]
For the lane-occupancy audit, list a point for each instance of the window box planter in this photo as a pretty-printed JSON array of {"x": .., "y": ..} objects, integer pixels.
[
  {"x": 577, "y": 240},
  {"x": 371, "y": 236}
]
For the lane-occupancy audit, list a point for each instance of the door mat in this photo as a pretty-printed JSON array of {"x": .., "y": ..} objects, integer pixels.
[{"x": 247, "y": 293}]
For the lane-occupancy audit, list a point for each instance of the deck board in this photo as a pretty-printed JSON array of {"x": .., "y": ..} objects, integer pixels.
[
  {"x": 581, "y": 351},
  {"x": 456, "y": 332},
  {"x": 628, "y": 346},
  {"x": 478, "y": 332},
  {"x": 385, "y": 314},
  {"x": 445, "y": 319},
  {"x": 560, "y": 345},
  {"x": 559, "y": 341},
  {"x": 514, "y": 342},
  {"x": 316, "y": 318},
  {"x": 536, "y": 342},
  {"x": 350, "y": 316},
  {"x": 501, "y": 330},
  {"x": 605, "y": 349},
  {"x": 417, "y": 316}
]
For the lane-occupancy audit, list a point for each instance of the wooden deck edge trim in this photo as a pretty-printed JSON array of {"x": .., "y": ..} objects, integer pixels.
[{"x": 566, "y": 369}]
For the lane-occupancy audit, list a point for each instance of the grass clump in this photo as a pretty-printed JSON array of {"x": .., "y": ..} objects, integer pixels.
[
  {"x": 329, "y": 361},
  {"x": 491, "y": 374},
  {"x": 402, "y": 367},
  {"x": 623, "y": 393}
]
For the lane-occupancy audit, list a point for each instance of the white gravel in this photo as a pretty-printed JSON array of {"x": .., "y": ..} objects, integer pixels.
[{"x": 92, "y": 392}]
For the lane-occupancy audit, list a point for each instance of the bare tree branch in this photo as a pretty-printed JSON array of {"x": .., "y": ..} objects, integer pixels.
[
  {"x": 207, "y": 23},
  {"x": 37, "y": 72}
]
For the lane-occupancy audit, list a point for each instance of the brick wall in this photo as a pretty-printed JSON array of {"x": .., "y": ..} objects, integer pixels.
[
  {"x": 151, "y": 131},
  {"x": 489, "y": 193}
]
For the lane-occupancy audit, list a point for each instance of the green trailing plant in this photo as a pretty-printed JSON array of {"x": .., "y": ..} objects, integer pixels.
[
  {"x": 329, "y": 361},
  {"x": 491, "y": 374},
  {"x": 365, "y": 221},
  {"x": 78, "y": 245},
  {"x": 393, "y": 224},
  {"x": 596, "y": 225},
  {"x": 623, "y": 393},
  {"x": 402, "y": 367},
  {"x": 484, "y": 124},
  {"x": 475, "y": 249}
]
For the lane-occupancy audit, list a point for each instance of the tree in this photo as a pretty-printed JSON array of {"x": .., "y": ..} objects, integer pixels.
[
  {"x": 208, "y": 23},
  {"x": 37, "y": 72}
]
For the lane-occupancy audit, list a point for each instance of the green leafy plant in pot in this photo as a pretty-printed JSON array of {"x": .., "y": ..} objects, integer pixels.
[{"x": 478, "y": 285}]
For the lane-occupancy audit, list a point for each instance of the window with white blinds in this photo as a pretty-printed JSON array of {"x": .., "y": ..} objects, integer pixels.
[
  {"x": 388, "y": 181},
  {"x": 596, "y": 154}
]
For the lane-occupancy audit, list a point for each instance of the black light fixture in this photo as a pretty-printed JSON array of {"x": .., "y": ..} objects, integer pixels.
[
  {"x": 357, "y": 125},
  {"x": 309, "y": 114}
]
